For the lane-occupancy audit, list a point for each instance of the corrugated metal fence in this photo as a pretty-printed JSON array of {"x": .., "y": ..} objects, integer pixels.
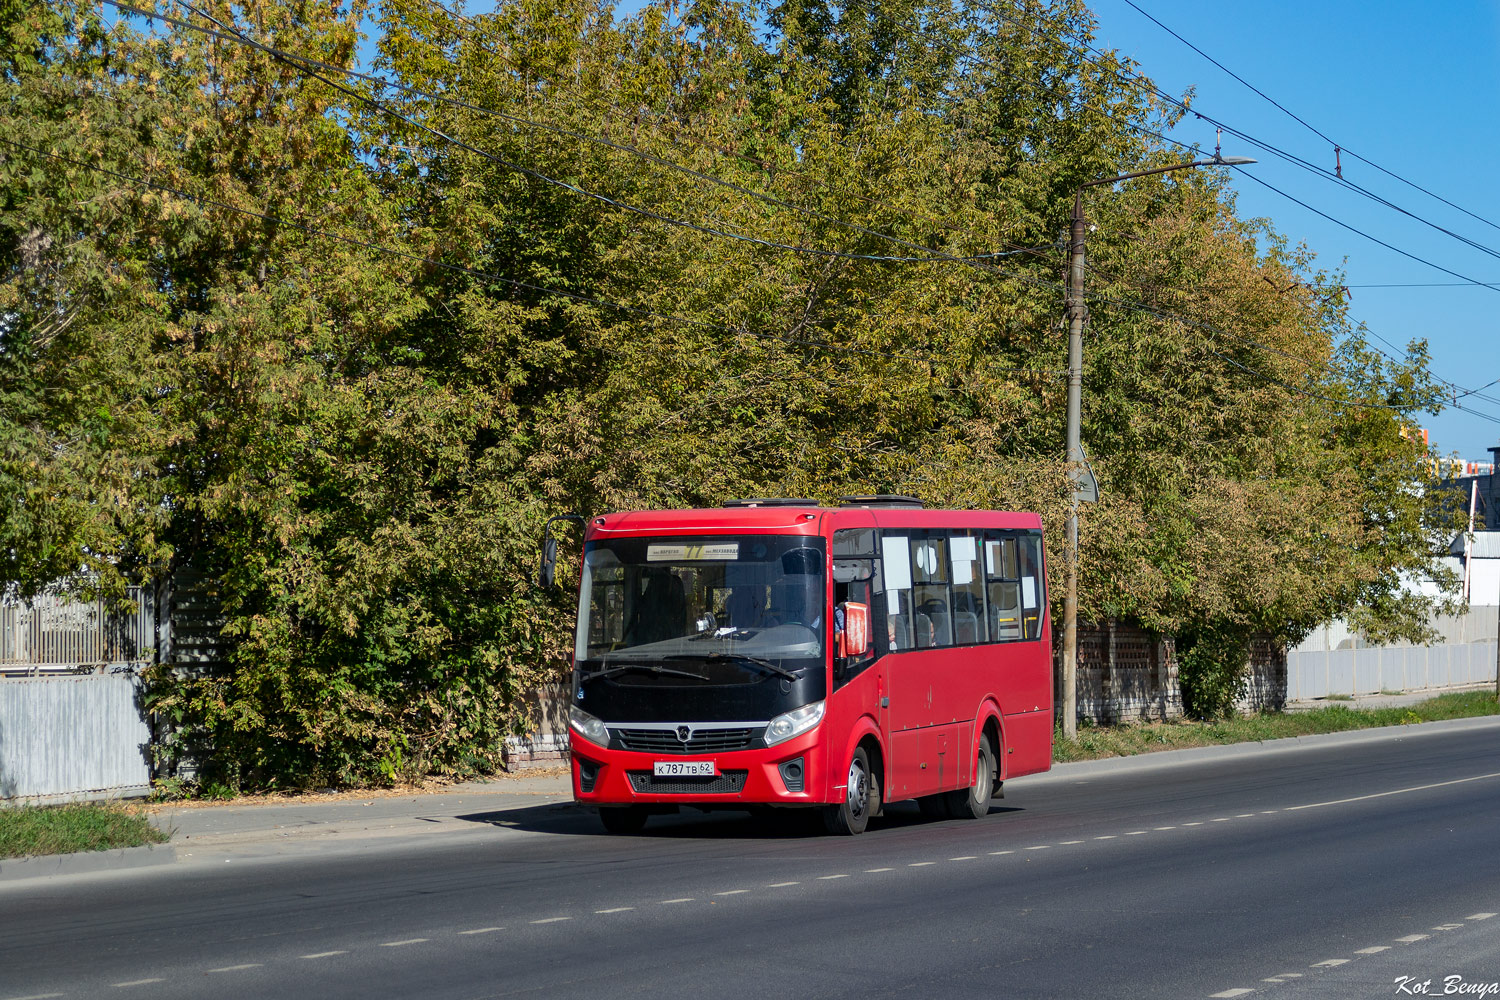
[
  {"x": 70, "y": 723},
  {"x": 80, "y": 737},
  {"x": 1333, "y": 662}
]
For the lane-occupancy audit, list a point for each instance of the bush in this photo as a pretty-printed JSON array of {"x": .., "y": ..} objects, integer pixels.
[{"x": 1212, "y": 662}]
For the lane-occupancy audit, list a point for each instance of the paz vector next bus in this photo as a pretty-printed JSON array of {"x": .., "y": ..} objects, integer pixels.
[{"x": 779, "y": 653}]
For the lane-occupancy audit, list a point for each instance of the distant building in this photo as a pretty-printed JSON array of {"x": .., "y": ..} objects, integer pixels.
[{"x": 1464, "y": 476}]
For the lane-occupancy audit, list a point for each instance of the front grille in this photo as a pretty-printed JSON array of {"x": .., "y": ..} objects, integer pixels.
[
  {"x": 701, "y": 741},
  {"x": 723, "y": 783}
]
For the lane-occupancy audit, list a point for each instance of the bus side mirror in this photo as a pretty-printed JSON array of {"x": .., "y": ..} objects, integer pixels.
[
  {"x": 855, "y": 639},
  {"x": 548, "y": 575}
]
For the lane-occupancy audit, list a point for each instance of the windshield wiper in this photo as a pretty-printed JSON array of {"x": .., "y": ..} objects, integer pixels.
[
  {"x": 742, "y": 659},
  {"x": 646, "y": 665}
]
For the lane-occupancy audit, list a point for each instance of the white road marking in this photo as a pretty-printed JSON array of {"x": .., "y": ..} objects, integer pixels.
[
  {"x": 1282, "y": 976},
  {"x": 1269, "y": 812},
  {"x": 1397, "y": 791},
  {"x": 407, "y": 941},
  {"x": 829, "y": 878},
  {"x": 1068, "y": 843},
  {"x": 1221, "y": 819},
  {"x": 1106, "y": 837},
  {"x": 1412, "y": 938},
  {"x": 1164, "y": 828},
  {"x": 965, "y": 857},
  {"x": 477, "y": 930},
  {"x": 731, "y": 892},
  {"x": 1002, "y": 852},
  {"x": 1196, "y": 823},
  {"x": 38, "y": 996},
  {"x": 684, "y": 899},
  {"x": 1244, "y": 815},
  {"x": 1447, "y": 927},
  {"x": 921, "y": 864},
  {"x": 783, "y": 885},
  {"x": 330, "y": 954},
  {"x": 1238, "y": 991},
  {"x": 1479, "y": 916},
  {"x": 1135, "y": 833},
  {"x": 140, "y": 982},
  {"x": 872, "y": 871},
  {"x": 1375, "y": 950},
  {"x": 551, "y": 920},
  {"x": 1039, "y": 847},
  {"x": 617, "y": 909},
  {"x": 237, "y": 968},
  {"x": 1329, "y": 963}
]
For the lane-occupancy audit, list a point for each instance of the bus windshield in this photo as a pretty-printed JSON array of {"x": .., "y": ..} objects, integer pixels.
[{"x": 702, "y": 608}]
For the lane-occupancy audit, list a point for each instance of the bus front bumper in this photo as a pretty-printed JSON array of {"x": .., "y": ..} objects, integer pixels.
[{"x": 790, "y": 773}]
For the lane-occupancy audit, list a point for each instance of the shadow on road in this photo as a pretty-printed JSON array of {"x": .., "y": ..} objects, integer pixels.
[{"x": 571, "y": 819}]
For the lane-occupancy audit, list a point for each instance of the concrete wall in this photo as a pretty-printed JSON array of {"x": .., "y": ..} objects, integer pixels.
[{"x": 77, "y": 737}]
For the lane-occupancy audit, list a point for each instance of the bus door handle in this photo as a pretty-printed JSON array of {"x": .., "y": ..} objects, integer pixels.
[{"x": 885, "y": 703}]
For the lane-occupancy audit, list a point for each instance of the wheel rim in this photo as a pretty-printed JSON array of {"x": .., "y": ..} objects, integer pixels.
[
  {"x": 981, "y": 780},
  {"x": 859, "y": 790}
]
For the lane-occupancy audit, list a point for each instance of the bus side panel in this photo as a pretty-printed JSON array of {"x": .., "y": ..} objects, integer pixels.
[{"x": 1028, "y": 742}]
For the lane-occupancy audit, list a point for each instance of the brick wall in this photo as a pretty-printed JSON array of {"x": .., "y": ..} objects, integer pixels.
[{"x": 1125, "y": 674}]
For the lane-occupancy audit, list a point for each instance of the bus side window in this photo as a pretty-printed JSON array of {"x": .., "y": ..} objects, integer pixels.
[
  {"x": 932, "y": 623},
  {"x": 898, "y": 611},
  {"x": 1003, "y": 587},
  {"x": 1031, "y": 585},
  {"x": 970, "y": 624}
]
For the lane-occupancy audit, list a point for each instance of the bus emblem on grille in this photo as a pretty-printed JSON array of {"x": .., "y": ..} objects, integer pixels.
[{"x": 684, "y": 733}]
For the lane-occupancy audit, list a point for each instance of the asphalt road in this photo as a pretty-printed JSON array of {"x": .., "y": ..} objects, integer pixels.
[{"x": 1328, "y": 871}]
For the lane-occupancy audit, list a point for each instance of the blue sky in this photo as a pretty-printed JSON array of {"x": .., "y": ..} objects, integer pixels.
[{"x": 1412, "y": 88}]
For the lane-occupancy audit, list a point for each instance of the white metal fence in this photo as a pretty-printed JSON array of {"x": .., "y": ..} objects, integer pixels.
[
  {"x": 1334, "y": 662},
  {"x": 55, "y": 634}
]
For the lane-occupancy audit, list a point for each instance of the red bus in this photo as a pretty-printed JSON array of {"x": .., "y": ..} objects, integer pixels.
[{"x": 781, "y": 653}]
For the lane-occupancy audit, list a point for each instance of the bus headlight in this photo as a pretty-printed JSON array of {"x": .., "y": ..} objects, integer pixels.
[
  {"x": 585, "y": 725},
  {"x": 793, "y": 723}
]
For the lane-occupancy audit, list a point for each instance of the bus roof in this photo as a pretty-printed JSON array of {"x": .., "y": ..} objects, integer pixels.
[{"x": 800, "y": 520}]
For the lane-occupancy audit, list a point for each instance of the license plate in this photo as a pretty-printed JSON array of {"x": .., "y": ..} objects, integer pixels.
[{"x": 684, "y": 769}]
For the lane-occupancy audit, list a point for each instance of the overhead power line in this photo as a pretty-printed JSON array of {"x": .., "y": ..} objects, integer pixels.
[
  {"x": 1339, "y": 147},
  {"x": 310, "y": 67},
  {"x": 304, "y": 66},
  {"x": 316, "y": 232}
]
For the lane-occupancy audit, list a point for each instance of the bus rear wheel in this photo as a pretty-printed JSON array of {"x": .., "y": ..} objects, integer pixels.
[
  {"x": 974, "y": 802},
  {"x": 622, "y": 819},
  {"x": 861, "y": 798}
]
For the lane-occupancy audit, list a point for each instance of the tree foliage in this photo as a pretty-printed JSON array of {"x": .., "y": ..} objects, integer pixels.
[{"x": 341, "y": 345}]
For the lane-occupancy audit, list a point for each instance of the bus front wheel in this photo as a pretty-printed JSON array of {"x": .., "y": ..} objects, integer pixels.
[
  {"x": 861, "y": 798},
  {"x": 622, "y": 819}
]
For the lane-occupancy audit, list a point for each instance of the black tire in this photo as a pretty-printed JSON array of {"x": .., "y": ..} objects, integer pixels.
[
  {"x": 974, "y": 802},
  {"x": 861, "y": 799},
  {"x": 622, "y": 819}
]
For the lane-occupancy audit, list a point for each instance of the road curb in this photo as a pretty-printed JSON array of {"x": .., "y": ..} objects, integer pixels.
[
  {"x": 1194, "y": 755},
  {"x": 86, "y": 862}
]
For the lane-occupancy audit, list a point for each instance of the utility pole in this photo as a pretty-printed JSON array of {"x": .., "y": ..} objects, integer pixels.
[{"x": 1077, "y": 310}]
